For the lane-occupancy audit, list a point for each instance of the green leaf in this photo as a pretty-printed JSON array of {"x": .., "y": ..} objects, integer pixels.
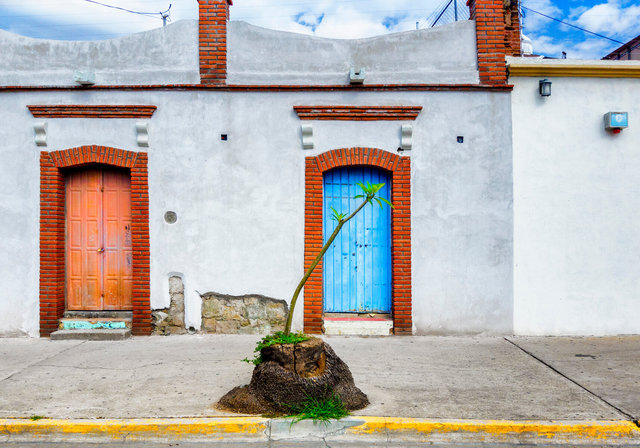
[
  {"x": 336, "y": 215},
  {"x": 387, "y": 202},
  {"x": 358, "y": 196}
]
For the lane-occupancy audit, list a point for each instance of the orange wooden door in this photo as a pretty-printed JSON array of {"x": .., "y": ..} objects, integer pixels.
[{"x": 98, "y": 253}]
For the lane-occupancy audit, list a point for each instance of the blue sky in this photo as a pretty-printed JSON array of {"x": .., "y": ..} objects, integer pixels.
[{"x": 82, "y": 20}]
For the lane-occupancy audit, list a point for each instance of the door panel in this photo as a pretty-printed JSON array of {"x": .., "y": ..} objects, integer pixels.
[
  {"x": 117, "y": 240},
  {"x": 357, "y": 266},
  {"x": 83, "y": 269},
  {"x": 98, "y": 220}
]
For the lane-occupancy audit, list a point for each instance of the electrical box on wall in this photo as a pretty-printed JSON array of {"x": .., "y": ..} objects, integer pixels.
[{"x": 616, "y": 121}]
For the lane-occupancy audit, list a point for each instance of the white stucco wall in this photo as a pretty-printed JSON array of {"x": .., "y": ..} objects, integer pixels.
[
  {"x": 19, "y": 220},
  {"x": 444, "y": 54},
  {"x": 576, "y": 207},
  {"x": 462, "y": 216},
  {"x": 167, "y": 55},
  {"x": 240, "y": 203}
]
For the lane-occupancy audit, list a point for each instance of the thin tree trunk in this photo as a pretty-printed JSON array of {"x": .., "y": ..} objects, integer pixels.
[{"x": 294, "y": 299}]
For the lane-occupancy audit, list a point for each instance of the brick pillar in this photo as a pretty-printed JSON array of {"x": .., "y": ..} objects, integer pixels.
[
  {"x": 494, "y": 39},
  {"x": 511, "y": 28},
  {"x": 140, "y": 292},
  {"x": 213, "y": 18},
  {"x": 52, "y": 273}
]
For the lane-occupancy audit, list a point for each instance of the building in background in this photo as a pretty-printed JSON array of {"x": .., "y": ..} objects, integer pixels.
[{"x": 629, "y": 51}]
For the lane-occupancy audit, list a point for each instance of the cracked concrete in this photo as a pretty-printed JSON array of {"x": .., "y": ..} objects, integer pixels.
[
  {"x": 605, "y": 366},
  {"x": 22, "y": 353},
  {"x": 422, "y": 377}
]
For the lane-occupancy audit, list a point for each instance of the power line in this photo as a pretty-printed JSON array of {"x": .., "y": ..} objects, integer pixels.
[
  {"x": 571, "y": 25},
  {"x": 164, "y": 15}
]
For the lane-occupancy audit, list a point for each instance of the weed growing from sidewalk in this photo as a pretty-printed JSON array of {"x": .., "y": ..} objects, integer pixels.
[
  {"x": 321, "y": 410},
  {"x": 36, "y": 417},
  {"x": 279, "y": 337}
]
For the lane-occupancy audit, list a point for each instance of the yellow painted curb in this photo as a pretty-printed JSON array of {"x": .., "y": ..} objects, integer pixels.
[
  {"x": 256, "y": 428},
  {"x": 499, "y": 429},
  {"x": 140, "y": 429}
]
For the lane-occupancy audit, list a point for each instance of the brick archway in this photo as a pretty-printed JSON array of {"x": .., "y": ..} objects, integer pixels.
[
  {"x": 400, "y": 169},
  {"x": 52, "y": 230}
]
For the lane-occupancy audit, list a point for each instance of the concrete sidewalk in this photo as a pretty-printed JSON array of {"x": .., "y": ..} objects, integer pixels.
[{"x": 569, "y": 381}]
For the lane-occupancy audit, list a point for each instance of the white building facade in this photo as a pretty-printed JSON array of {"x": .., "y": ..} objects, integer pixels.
[
  {"x": 222, "y": 137},
  {"x": 576, "y": 202}
]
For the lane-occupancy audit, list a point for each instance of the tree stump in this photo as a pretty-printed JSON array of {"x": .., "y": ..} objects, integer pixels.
[{"x": 289, "y": 374}]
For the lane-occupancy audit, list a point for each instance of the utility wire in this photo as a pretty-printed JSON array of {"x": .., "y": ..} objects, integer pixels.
[
  {"x": 163, "y": 14},
  {"x": 571, "y": 25}
]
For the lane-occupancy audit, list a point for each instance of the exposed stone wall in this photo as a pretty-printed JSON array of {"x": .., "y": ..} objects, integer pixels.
[
  {"x": 250, "y": 314},
  {"x": 171, "y": 320}
]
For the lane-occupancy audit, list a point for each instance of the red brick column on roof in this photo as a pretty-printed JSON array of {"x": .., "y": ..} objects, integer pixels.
[
  {"x": 495, "y": 40},
  {"x": 512, "y": 28},
  {"x": 400, "y": 168},
  {"x": 52, "y": 230},
  {"x": 213, "y": 18}
]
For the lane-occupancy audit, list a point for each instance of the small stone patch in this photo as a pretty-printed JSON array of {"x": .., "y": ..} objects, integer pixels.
[
  {"x": 170, "y": 320},
  {"x": 249, "y": 314}
]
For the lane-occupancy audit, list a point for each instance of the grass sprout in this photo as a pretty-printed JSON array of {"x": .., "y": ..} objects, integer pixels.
[{"x": 322, "y": 410}]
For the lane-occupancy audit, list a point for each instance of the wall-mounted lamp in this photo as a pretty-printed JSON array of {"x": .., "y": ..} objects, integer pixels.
[{"x": 545, "y": 87}]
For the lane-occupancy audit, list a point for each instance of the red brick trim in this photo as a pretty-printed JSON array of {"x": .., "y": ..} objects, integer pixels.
[
  {"x": 212, "y": 31},
  {"x": 277, "y": 88},
  {"x": 490, "y": 38},
  {"x": 52, "y": 275},
  {"x": 92, "y": 111},
  {"x": 359, "y": 113},
  {"x": 400, "y": 167},
  {"x": 52, "y": 232}
]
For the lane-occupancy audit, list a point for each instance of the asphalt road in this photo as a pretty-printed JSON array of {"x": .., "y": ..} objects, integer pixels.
[{"x": 314, "y": 444}]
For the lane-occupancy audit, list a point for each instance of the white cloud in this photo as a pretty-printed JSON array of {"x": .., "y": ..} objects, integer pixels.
[
  {"x": 67, "y": 15},
  {"x": 611, "y": 18},
  {"x": 618, "y": 19},
  {"x": 592, "y": 48},
  {"x": 546, "y": 45},
  {"x": 589, "y": 48},
  {"x": 534, "y": 23},
  {"x": 342, "y": 18}
]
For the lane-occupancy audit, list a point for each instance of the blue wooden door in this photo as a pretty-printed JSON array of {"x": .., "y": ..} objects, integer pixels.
[{"x": 357, "y": 266}]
